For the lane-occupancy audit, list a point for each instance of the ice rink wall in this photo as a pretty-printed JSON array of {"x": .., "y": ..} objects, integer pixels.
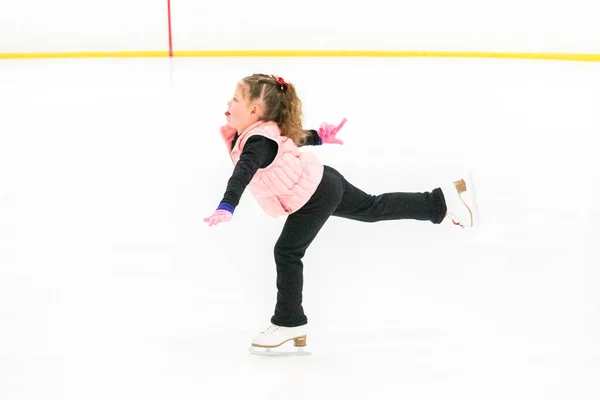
[{"x": 552, "y": 29}]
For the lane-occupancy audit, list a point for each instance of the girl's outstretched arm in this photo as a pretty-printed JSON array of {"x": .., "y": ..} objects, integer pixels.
[{"x": 258, "y": 152}]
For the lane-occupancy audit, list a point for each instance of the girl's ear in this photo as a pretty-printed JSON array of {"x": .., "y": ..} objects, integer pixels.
[{"x": 256, "y": 109}]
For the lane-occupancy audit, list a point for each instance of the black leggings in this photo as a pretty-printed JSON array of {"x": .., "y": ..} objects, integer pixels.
[{"x": 336, "y": 196}]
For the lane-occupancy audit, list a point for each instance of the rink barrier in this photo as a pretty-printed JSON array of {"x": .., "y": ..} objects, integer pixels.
[{"x": 305, "y": 53}]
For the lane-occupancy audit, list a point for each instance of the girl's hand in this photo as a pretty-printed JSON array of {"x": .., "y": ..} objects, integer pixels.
[
  {"x": 327, "y": 132},
  {"x": 218, "y": 217}
]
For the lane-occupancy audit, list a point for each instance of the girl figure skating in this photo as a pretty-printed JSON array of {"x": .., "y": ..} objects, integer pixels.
[{"x": 262, "y": 136}]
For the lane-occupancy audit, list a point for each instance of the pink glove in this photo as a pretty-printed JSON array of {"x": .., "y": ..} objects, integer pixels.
[
  {"x": 227, "y": 133},
  {"x": 327, "y": 132},
  {"x": 218, "y": 217}
]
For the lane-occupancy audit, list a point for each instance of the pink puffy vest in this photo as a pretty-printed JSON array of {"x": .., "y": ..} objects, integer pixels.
[{"x": 288, "y": 183}]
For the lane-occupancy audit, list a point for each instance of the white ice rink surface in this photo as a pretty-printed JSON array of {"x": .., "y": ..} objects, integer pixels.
[{"x": 112, "y": 286}]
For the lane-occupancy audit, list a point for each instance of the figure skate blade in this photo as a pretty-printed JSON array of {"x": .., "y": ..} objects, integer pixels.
[{"x": 276, "y": 352}]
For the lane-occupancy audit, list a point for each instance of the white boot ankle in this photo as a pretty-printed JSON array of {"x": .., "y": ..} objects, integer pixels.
[{"x": 274, "y": 336}]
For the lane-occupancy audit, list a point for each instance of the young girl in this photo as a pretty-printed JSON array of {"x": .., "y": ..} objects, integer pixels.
[{"x": 262, "y": 135}]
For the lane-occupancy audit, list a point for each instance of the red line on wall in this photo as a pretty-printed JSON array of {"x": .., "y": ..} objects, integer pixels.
[{"x": 170, "y": 31}]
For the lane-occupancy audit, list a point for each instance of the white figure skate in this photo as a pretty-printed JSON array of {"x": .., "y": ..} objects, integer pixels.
[
  {"x": 461, "y": 202},
  {"x": 268, "y": 342}
]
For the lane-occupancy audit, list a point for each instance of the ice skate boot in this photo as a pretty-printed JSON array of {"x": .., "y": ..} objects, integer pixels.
[
  {"x": 268, "y": 342},
  {"x": 461, "y": 202}
]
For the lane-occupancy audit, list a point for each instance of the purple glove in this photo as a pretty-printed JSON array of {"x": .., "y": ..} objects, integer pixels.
[
  {"x": 327, "y": 132},
  {"x": 218, "y": 217}
]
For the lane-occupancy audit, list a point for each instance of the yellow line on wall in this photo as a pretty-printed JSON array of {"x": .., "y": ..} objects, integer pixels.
[
  {"x": 384, "y": 53},
  {"x": 305, "y": 53},
  {"x": 87, "y": 54}
]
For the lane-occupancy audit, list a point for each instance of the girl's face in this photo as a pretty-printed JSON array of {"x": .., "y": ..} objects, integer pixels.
[{"x": 241, "y": 113}]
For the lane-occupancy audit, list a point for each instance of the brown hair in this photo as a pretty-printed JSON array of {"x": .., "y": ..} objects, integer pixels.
[{"x": 280, "y": 104}]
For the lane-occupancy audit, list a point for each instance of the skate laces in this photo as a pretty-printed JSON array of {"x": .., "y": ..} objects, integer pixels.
[{"x": 271, "y": 329}]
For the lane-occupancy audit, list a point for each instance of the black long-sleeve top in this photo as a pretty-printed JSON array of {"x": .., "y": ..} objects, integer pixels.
[{"x": 258, "y": 152}]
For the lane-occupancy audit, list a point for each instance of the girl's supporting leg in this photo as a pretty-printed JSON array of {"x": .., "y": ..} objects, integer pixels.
[{"x": 336, "y": 196}]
